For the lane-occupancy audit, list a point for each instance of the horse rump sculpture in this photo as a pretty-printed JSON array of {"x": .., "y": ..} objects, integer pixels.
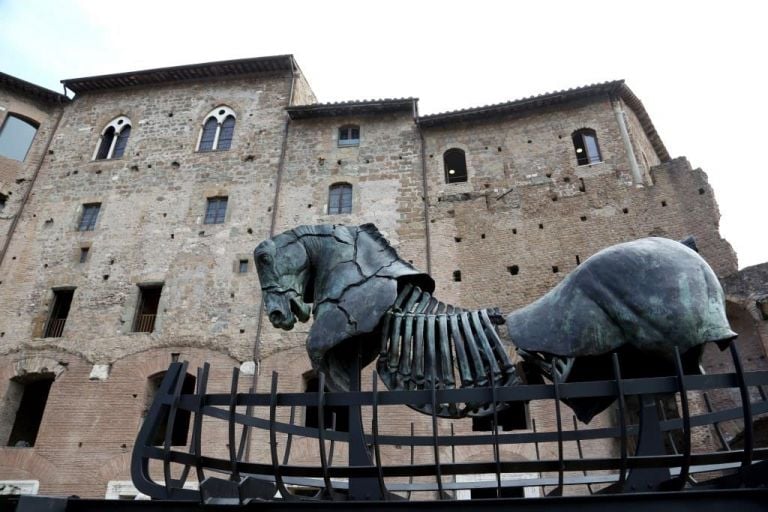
[{"x": 647, "y": 299}]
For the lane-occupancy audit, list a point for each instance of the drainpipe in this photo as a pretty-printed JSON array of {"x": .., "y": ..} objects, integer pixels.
[
  {"x": 637, "y": 176},
  {"x": 427, "y": 234},
  {"x": 15, "y": 220},
  {"x": 272, "y": 224}
]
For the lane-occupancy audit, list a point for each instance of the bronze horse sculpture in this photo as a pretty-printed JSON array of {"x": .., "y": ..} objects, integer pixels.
[{"x": 644, "y": 300}]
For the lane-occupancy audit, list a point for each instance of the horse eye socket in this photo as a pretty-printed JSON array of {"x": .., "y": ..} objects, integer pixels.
[{"x": 264, "y": 258}]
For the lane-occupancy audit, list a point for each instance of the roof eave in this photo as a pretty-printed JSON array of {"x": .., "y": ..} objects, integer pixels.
[
  {"x": 352, "y": 108},
  {"x": 32, "y": 90}
]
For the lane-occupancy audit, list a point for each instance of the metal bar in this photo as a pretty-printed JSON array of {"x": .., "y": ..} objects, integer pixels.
[
  {"x": 535, "y": 443},
  {"x": 289, "y": 438},
  {"x": 746, "y": 407},
  {"x": 622, "y": 421},
  {"x": 231, "y": 424},
  {"x": 686, "y": 466},
  {"x": 245, "y": 432},
  {"x": 321, "y": 431},
  {"x": 375, "y": 434},
  {"x": 496, "y": 455},
  {"x": 436, "y": 446},
  {"x": 413, "y": 461},
  {"x": 273, "y": 440},
  {"x": 173, "y": 407},
  {"x": 197, "y": 429},
  {"x": 558, "y": 420}
]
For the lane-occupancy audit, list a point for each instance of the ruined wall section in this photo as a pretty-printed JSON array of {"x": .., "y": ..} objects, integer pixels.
[
  {"x": 150, "y": 227},
  {"x": 645, "y": 154},
  {"x": 16, "y": 177},
  {"x": 384, "y": 171},
  {"x": 302, "y": 92}
]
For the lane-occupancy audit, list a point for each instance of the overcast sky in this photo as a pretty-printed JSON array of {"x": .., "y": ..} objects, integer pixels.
[{"x": 699, "y": 67}]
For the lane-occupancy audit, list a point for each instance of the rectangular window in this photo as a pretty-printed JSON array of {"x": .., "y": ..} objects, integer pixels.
[
  {"x": 243, "y": 266},
  {"x": 146, "y": 310},
  {"x": 31, "y": 395},
  {"x": 62, "y": 300},
  {"x": 88, "y": 219},
  {"x": 215, "y": 210},
  {"x": 84, "y": 254}
]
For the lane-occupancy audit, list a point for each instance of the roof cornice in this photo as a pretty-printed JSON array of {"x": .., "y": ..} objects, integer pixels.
[
  {"x": 361, "y": 107},
  {"x": 31, "y": 90}
]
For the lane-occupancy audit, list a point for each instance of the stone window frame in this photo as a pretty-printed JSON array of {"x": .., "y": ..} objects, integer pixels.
[
  {"x": 92, "y": 222},
  {"x": 237, "y": 264},
  {"x": 118, "y": 126},
  {"x": 466, "y": 166},
  {"x": 348, "y": 130},
  {"x": 27, "y": 121},
  {"x": 582, "y": 149},
  {"x": 209, "y": 202},
  {"x": 132, "y": 302},
  {"x": 342, "y": 208},
  {"x": 219, "y": 116}
]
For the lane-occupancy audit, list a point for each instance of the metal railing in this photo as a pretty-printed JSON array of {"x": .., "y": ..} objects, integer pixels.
[
  {"x": 144, "y": 323},
  {"x": 55, "y": 327}
]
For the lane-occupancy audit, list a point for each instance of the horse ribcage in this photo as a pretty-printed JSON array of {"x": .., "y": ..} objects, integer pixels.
[{"x": 427, "y": 344}]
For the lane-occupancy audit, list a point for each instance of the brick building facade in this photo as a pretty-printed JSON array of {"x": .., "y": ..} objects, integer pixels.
[{"x": 128, "y": 225}]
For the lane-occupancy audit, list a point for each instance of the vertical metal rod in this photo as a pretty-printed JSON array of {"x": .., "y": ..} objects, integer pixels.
[
  {"x": 686, "y": 465},
  {"x": 174, "y": 405},
  {"x": 413, "y": 461},
  {"x": 746, "y": 406},
  {"x": 273, "y": 440},
  {"x": 581, "y": 452},
  {"x": 622, "y": 422},
  {"x": 231, "y": 430},
  {"x": 558, "y": 419},
  {"x": 289, "y": 437},
  {"x": 496, "y": 454},
  {"x": 375, "y": 434},
  {"x": 245, "y": 433},
  {"x": 436, "y": 444},
  {"x": 321, "y": 432},
  {"x": 536, "y": 439},
  {"x": 453, "y": 446},
  {"x": 197, "y": 430}
]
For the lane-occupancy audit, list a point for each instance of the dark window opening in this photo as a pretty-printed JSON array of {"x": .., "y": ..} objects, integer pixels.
[
  {"x": 457, "y": 275},
  {"x": 349, "y": 135},
  {"x": 31, "y": 395},
  {"x": 586, "y": 147},
  {"x": 122, "y": 141},
  {"x": 514, "y": 417},
  {"x": 339, "y": 414},
  {"x": 88, "y": 219},
  {"x": 226, "y": 134},
  {"x": 455, "y": 164},
  {"x": 3, "y": 200},
  {"x": 84, "y": 254},
  {"x": 242, "y": 266},
  {"x": 513, "y": 269},
  {"x": 16, "y": 137},
  {"x": 555, "y": 269},
  {"x": 106, "y": 143},
  {"x": 215, "y": 210},
  {"x": 180, "y": 430},
  {"x": 209, "y": 134},
  {"x": 146, "y": 311},
  {"x": 62, "y": 301},
  {"x": 340, "y": 198}
]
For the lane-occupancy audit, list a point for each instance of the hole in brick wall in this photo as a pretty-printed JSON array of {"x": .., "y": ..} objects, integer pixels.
[
  {"x": 582, "y": 187},
  {"x": 27, "y": 396},
  {"x": 567, "y": 179},
  {"x": 431, "y": 156},
  {"x": 269, "y": 209},
  {"x": 541, "y": 226},
  {"x": 432, "y": 221},
  {"x": 200, "y": 233},
  {"x": 482, "y": 235},
  {"x": 75, "y": 172},
  {"x": 548, "y": 175},
  {"x": 175, "y": 164},
  {"x": 2, "y": 334},
  {"x": 232, "y": 295},
  {"x": 578, "y": 260},
  {"x": 112, "y": 262},
  {"x": 514, "y": 231},
  {"x": 149, "y": 166},
  {"x": 554, "y": 198},
  {"x": 663, "y": 203},
  {"x": 249, "y": 158},
  {"x": 400, "y": 157},
  {"x": 320, "y": 161},
  {"x": 529, "y": 141},
  {"x": 170, "y": 114},
  {"x": 559, "y": 136},
  {"x": 498, "y": 149},
  {"x": 165, "y": 214},
  {"x": 134, "y": 395},
  {"x": 105, "y": 277},
  {"x": 80, "y": 443},
  {"x": 242, "y": 331},
  {"x": 367, "y": 161},
  {"x": 171, "y": 236},
  {"x": 410, "y": 261},
  {"x": 625, "y": 210},
  {"x": 555, "y": 270},
  {"x": 134, "y": 167},
  {"x": 45, "y": 265},
  {"x": 249, "y": 231},
  {"x": 513, "y": 269},
  {"x": 338, "y": 162},
  {"x": 583, "y": 218},
  {"x": 457, "y": 239},
  {"x": 50, "y": 151},
  {"x": 13, "y": 258},
  {"x": 309, "y": 206},
  {"x": 487, "y": 185},
  {"x": 97, "y": 171},
  {"x": 457, "y": 275},
  {"x": 701, "y": 191}
]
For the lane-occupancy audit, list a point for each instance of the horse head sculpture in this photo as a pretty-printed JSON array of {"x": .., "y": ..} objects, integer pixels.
[{"x": 645, "y": 300}]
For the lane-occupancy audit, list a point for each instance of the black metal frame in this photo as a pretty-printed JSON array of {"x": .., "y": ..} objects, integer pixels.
[{"x": 649, "y": 469}]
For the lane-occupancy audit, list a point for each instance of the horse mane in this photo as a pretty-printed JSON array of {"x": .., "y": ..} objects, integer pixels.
[{"x": 371, "y": 230}]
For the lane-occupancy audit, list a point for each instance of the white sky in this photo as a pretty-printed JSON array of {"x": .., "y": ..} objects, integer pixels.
[{"x": 699, "y": 67}]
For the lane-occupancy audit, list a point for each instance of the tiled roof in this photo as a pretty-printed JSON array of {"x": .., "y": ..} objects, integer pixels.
[
  {"x": 353, "y": 107},
  {"x": 31, "y": 90},
  {"x": 182, "y": 73}
]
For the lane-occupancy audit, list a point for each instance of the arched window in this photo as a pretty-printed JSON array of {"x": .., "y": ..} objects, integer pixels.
[
  {"x": 340, "y": 198},
  {"x": 455, "y": 164},
  {"x": 16, "y": 136},
  {"x": 217, "y": 131},
  {"x": 586, "y": 147},
  {"x": 113, "y": 140},
  {"x": 349, "y": 135}
]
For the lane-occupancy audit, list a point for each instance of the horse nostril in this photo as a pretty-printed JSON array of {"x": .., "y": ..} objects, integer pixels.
[{"x": 275, "y": 317}]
